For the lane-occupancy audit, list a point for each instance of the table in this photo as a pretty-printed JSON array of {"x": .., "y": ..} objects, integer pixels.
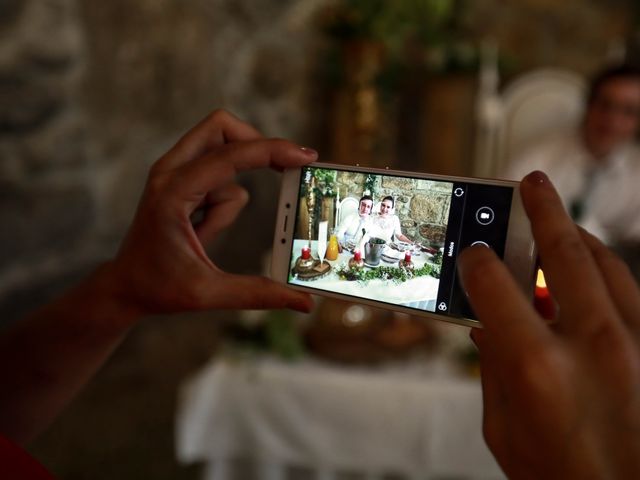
[
  {"x": 419, "y": 423},
  {"x": 420, "y": 292}
]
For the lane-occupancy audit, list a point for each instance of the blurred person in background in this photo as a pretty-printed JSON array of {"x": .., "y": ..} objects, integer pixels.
[{"x": 596, "y": 169}]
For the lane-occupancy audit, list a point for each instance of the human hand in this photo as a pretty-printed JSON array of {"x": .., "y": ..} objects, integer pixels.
[
  {"x": 560, "y": 400},
  {"x": 162, "y": 266}
]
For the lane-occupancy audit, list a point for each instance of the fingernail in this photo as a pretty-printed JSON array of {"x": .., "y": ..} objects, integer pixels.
[
  {"x": 537, "y": 178},
  {"x": 309, "y": 152}
]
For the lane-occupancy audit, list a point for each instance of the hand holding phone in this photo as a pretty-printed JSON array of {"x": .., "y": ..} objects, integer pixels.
[
  {"x": 559, "y": 402},
  {"x": 372, "y": 212},
  {"x": 162, "y": 266}
]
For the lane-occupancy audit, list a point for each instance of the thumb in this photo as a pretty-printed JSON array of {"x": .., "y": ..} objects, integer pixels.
[{"x": 255, "y": 292}]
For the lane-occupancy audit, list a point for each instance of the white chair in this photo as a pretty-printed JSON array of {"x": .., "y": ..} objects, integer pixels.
[
  {"x": 532, "y": 107},
  {"x": 347, "y": 206},
  {"x": 536, "y": 105}
]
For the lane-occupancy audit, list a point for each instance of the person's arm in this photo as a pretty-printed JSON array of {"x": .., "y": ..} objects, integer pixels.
[
  {"x": 161, "y": 267},
  {"x": 343, "y": 228},
  {"x": 563, "y": 400},
  {"x": 398, "y": 231},
  {"x": 47, "y": 357},
  {"x": 403, "y": 238}
]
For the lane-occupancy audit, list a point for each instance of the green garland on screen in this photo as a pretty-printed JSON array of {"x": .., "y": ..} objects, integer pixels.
[{"x": 396, "y": 274}]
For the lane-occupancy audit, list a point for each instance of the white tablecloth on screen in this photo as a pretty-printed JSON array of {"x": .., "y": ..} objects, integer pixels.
[
  {"x": 418, "y": 424},
  {"x": 420, "y": 292}
]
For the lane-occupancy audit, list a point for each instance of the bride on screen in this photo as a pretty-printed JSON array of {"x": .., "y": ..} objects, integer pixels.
[{"x": 386, "y": 224}]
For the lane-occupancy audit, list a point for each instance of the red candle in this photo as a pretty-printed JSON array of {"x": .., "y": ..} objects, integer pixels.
[
  {"x": 306, "y": 253},
  {"x": 407, "y": 257},
  {"x": 357, "y": 255},
  {"x": 542, "y": 300}
]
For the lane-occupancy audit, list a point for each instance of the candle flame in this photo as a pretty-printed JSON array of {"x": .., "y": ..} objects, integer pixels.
[{"x": 540, "y": 281}]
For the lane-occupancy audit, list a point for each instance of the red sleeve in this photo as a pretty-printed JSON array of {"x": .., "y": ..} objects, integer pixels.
[{"x": 15, "y": 463}]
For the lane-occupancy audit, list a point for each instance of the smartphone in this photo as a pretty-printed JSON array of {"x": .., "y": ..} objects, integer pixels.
[{"x": 390, "y": 239}]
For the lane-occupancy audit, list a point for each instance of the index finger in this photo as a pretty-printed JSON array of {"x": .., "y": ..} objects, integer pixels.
[
  {"x": 499, "y": 303},
  {"x": 218, "y": 128},
  {"x": 571, "y": 272},
  {"x": 276, "y": 153},
  {"x": 203, "y": 174}
]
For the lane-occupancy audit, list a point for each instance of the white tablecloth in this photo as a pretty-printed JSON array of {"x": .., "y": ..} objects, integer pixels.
[{"x": 417, "y": 424}]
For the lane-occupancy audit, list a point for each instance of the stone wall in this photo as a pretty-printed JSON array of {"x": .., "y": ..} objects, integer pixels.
[
  {"x": 91, "y": 93},
  {"x": 47, "y": 210}
]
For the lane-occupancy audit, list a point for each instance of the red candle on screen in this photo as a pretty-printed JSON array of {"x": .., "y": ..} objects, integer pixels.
[{"x": 306, "y": 253}]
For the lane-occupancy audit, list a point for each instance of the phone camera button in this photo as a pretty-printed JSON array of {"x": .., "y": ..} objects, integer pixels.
[
  {"x": 480, "y": 242},
  {"x": 485, "y": 215},
  {"x": 458, "y": 192}
]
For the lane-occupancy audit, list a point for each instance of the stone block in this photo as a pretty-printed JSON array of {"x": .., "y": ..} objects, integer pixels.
[
  {"x": 62, "y": 144},
  {"x": 434, "y": 186},
  {"x": 429, "y": 208},
  {"x": 10, "y": 12},
  {"x": 399, "y": 185},
  {"x": 353, "y": 181},
  {"x": 433, "y": 234},
  {"x": 28, "y": 103},
  {"x": 38, "y": 221},
  {"x": 408, "y": 223},
  {"x": 39, "y": 73},
  {"x": 52, "y": 34},
  {"x": 272, "y": 71}
]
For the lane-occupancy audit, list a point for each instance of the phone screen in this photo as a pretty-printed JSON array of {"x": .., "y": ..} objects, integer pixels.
[{"x": 393, "y": 239}]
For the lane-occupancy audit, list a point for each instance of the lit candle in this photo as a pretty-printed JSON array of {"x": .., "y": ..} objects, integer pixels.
[
  {"x": 542, "y": 301},
  {"x": 306, "y": 253},
  {"x": 357, "y": 255}
]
